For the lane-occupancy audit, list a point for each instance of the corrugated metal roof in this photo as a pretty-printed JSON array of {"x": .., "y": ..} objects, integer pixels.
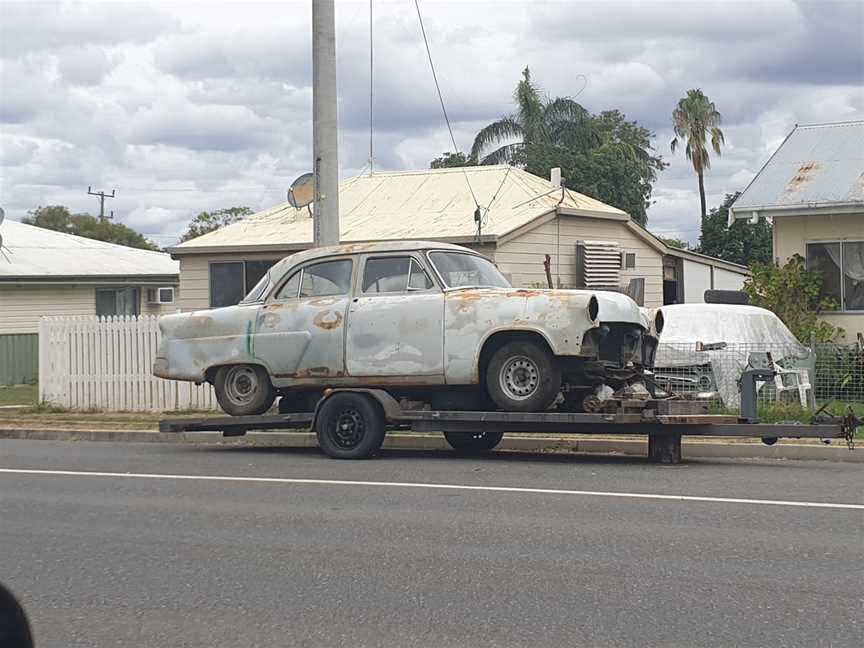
[
  {"x": 427, "y": 204},
  {"x": 37, "y": 252},
  {"x": 817, "y": 164}
]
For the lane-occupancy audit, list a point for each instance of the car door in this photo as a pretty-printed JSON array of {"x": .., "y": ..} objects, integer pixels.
[
  {"x": 299, "y": 333},
  {"x": 396, "y": 321}
]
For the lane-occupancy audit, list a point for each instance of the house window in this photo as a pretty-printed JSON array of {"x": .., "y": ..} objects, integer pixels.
[
  {"x": 841, "y": 264},
  {"x": 118, "y": 301},
  {"x": 630, "y": 261},
  {"x": 231, "y": 281}
]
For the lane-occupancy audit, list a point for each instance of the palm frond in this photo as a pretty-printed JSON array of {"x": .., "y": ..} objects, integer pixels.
[
  {"x": 502, "y": 155},
  {"x": 529, "y": 110},
  {"x": 717, "y": 139},
  {"x": 506, "y": 128}
]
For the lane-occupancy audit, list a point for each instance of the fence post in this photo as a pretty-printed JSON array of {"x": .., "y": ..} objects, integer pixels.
[{"x": 42, "y": 351}]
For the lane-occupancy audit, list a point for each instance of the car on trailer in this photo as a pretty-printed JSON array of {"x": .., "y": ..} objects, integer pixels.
[
  {"x": 425, "y": 321},
  {"x": 704, "y": 349}
]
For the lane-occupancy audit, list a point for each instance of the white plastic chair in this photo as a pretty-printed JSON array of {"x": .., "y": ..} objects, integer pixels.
[{"x": 794, "y": 380}]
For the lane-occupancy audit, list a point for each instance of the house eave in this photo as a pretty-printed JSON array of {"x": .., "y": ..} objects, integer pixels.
[
  {"x": 93, "y": 280},
  {"x": 290, "y": 248},
  {"x": 800, "y": 209}
]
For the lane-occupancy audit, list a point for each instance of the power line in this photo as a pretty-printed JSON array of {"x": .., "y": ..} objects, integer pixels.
[
  {"x": 441, "y": 99},
  {"x": 371, "y": 90}
]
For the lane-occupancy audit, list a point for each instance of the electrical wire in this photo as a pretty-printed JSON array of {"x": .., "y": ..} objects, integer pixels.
[
  {"x": 494, "y": 196},
  {"x": 371, "y": 91},
  {"x": 441, "y": 98}
]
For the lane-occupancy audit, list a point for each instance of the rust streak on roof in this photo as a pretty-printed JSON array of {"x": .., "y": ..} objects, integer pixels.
[{"x": 805, "y": 174}]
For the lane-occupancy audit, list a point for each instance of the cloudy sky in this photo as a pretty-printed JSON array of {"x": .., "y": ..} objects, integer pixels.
[{"x": 184, "y": 106}]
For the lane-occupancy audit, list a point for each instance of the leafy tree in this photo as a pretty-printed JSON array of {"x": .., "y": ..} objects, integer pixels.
[
  {"x": 675, "y": 243},
  {"x": 604, "y": 156},
  {"x": 450, "y": 160},
  {"x": 742, "y": 243},
  {"x": 207, "y": 222},
  {"x": 59, "y": 219},
  {"x": 693, "y": 120},
  {"x": 793, "y": 293}
]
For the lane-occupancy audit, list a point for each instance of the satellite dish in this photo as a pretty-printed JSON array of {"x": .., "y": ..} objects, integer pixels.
[{"x": 302, "y": 191}]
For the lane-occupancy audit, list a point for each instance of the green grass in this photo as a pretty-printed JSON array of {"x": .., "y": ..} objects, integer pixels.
[{"x": 19, "y": 395}]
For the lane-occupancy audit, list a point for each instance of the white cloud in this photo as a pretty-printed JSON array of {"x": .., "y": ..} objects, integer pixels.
[{"x": 182, "y": 107}]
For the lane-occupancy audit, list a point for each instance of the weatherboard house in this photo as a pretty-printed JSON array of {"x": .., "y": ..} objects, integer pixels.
[
  {"x": 523, "y": 218},
  {"x": 43, "y": 272},
  {"x": 812, "y": 189}
]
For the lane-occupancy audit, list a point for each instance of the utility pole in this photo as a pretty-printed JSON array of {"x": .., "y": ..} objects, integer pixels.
[
  {"x": 102, "y": 196},
  {"x": 325, "y": 143}
]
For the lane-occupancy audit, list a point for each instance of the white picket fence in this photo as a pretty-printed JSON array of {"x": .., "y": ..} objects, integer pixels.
[{"x": 93, "y": 363}]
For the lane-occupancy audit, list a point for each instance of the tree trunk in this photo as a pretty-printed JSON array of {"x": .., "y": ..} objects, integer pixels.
[{"x": 702, "y": 197}]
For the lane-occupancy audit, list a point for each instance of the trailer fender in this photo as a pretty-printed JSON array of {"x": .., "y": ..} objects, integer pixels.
[{"x": 389, "y": 405}]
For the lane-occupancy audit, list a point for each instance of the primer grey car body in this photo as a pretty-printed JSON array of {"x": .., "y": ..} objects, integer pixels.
[{"x": 428, "y": 333}]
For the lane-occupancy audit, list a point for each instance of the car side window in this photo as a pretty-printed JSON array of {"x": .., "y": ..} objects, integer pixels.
[
  {"x": 418, "y": 280},
  {"x": 386, "y": 275},
  {"x": 326, "y": 278},
  {"x": 290, "y": 288}
]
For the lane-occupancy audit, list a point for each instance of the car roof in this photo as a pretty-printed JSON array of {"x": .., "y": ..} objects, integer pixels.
[{"x": 364, "y": 248}]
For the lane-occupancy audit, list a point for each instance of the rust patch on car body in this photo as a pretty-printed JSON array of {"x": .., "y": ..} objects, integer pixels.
[
  {"x": 312, "y": 372},
  {"x": 324, "y": 301},
  {"x": 804, "y": 174},
  {"x": 328, "y": 320}
]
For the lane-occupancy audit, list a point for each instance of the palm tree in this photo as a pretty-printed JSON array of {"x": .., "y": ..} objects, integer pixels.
[
  {"x": 693, "y": 120},
  {"x": 536, "y": 121}
]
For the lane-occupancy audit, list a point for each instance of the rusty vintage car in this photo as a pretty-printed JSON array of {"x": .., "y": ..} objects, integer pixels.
[{"x": 429, "y": 321}]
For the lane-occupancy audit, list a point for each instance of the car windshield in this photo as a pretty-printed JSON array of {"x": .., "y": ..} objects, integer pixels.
[
  {"x": 460, "y": 270},
  {"x": 258, "y": 290}
]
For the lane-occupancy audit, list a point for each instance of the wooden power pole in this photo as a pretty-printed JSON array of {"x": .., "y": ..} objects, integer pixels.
[{"x": 325, "y": 143}]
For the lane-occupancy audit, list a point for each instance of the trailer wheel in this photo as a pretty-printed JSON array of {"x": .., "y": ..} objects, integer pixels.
[
  {"x": 244, "y": 390},
  {"x": 350, "y": 426},
  {"x": 523, "y": 377},
  {"x": 473, "y": 443}
]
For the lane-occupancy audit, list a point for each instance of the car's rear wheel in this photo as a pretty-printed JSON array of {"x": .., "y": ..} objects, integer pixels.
[
  {"x": 475, "y": 443},
  {"x": 350, "y": 426},
  {"x": 244, "y": 390},
  {"x": 523, "y": 376}
]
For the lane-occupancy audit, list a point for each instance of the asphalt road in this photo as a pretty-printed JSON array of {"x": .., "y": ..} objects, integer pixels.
[{"x": 139, "y": 560}]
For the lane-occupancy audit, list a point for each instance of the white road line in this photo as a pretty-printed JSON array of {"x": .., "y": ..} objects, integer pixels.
[{"x": 460, "y": 487}]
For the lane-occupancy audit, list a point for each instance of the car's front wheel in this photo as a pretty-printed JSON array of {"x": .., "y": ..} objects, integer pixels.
[
  {"x": 244, "y": 390},
  {"x": 523, "y": 376}
]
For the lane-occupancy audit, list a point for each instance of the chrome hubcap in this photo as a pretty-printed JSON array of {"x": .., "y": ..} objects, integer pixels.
[
  {"x": 241, "y": 384},
  {"x": 519, "y": 378}
]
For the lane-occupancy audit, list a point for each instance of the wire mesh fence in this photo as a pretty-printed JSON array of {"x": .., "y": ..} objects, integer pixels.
[{"x": 806, "y": 377}]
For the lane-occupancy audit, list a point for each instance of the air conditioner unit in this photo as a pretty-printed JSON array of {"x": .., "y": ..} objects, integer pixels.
[
  {"x": 160, "y": 295},
  {"x": 598, "y": 265}
]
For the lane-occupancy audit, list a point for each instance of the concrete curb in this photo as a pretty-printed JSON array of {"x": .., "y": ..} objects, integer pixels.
[{"x": 405, "y": 441}]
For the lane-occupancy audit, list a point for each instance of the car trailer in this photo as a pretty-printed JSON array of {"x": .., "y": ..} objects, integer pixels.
[{"x": 351, "y": 424}]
